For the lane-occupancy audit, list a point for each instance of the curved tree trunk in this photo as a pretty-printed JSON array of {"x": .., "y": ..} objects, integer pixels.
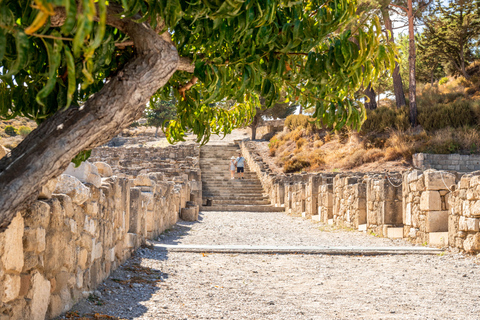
[
  {"x": 396, "y": 77},
  {"x": 48, "y": 150}
]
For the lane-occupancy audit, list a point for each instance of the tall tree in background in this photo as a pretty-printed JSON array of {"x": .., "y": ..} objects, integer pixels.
[
  {"x": 411, "y": 13},
  {"x": 429, "y": 62},
  {"x": 396, "y": 77},
  {"x": 160, "y": 111},
  {"x": 453, "y": 31}
]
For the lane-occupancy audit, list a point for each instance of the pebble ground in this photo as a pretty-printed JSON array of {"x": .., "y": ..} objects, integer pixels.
[{"x": 159, "y": 285}]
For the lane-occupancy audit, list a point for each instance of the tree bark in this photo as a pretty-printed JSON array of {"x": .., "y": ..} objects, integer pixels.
[
  {"x": 48, "y": 150},
  {"x": 412, "y": 90},
  {"x": 156, "y": 132},
  {"x": 255, "y": 122},
  {"x": 370, "y": 93},
  {"x": 396, "y": 77}
]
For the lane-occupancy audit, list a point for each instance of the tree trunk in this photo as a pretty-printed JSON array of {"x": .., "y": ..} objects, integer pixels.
[
  {"x": 412, "y": 90},
  {"x": 255, "y": 122},
  {"x": 370, "y": 93},
  {"x": 300, "y": 111},
  {"x": 396, "y": 77},
  {"x": 156, "y": 132},
  {"x": 47, "y": 151}
]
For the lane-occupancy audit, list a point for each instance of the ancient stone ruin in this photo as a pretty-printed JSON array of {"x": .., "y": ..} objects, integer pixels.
[{"x": 92, "y": 218}]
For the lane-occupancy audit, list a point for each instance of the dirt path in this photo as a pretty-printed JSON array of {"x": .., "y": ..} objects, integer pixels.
[{"x": 156, "y": 285}]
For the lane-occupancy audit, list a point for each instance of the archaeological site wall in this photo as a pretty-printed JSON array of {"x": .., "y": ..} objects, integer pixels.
[
  {"x": 440, "y": 208},
  {"x": 457, "y": 162},
  {"x": 88, "y": 221}
]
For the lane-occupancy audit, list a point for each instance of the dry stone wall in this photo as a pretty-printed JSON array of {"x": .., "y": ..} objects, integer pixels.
[
  {"x": 457, "y": 162},
  {"x": 133, "y": 161},
  {"x": 440, "y": 208},
  {"x": 86, "y": 223}
]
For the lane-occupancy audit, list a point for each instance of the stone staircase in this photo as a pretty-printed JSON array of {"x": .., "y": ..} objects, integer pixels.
[{"x": 226, "y": 194}]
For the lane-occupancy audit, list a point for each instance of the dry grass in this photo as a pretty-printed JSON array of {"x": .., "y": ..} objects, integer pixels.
[
  {"x": 344, "y": 151},
  {"x": 21, "y": 125}
]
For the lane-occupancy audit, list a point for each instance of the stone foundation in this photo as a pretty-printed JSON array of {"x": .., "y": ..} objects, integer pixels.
[
  {"x": 432, "y": 207},
  {"x": 87, "y": 222}
]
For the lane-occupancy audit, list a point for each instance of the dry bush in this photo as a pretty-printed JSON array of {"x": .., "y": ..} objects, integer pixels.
[
  {"x": 300, "y": 142},
  {"x": 399, "y": 145},
  {"x": 295, "y": 164},
  {"x": 372, "y": 155},
  {"x": 318, "y": 144},
  {"x": 353, "y": 160}
]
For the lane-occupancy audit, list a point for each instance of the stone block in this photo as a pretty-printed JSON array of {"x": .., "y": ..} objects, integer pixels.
[
  {"x": 82, "y": 258},
  {"x": 439, "y": 239},
  {"x": 47, "y": 190},
  {"x": 472, "y": 243},
  {"x": 472, "y": 224},
  {"x": 475, "y": 209},
  {"x": 34, "y": 240},
  {"x": 11, "y": 287},
  {"x": 143, "y": 180},
  {"x": 72, "y": 187},
  {"x": 395, "y": 233},
  {"x": 437, "y": 221},
  {"x": 430, "y": 201},
  {"x": 362, "y": 227},
  {"x": 104, "y": 169},
  {"x": 189, "y": 214},
  {"x": 130, "y": 240},
  {"x": 39, "y": 296},
  {"x": 86, "y": 173},
  {"x": 316, "y": 217},
  {"x": 13, "y": 258}
]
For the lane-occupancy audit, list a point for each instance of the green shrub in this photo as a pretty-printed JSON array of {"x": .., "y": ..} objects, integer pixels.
[
  {"x": 383, "y": 118},
  {"x": 443, "y": 80},
  {"x": 11, "y": 131},
  {"x": 134, "y": 124},
  {"x": 457, "y": 114},
  {"x": 24, "y": 131}
]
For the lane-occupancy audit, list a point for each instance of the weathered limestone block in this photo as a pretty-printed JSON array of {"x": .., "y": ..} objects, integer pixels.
[
  {"x": 104, "y": 169},
  {"x": 189, "y": 213},
  {"x": 34, "y": 239},
  {"x": 472, "y": 243},
  {"x": 86, "y": 172},
  {"x": 12, "y": 257},
  {"x": 436, "y": 221},
  {"x": 72, "y": 187},
  {"x": 11, "y": 287},
  {"x": 438, "y": 180},
  {"x": 143, "y": 180},
  {"x": 47, "y": 190},
  {"x": 430, "y": 201}
]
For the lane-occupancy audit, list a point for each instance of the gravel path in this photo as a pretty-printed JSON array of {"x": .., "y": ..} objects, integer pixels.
[{"x": 158, "y": 285}]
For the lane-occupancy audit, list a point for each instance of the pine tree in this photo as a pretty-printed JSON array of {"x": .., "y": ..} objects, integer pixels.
[{"x": 453, "y": 32}]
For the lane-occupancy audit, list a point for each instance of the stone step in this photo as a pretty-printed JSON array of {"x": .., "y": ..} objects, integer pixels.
[
  {"x": 247, "y": 208},
  {"x": 233, "y": 198},
  {"x": 226, "y": 175},
  {"x": 231, "y": 195},
  {"x": 220, "y": 185},
  {"x": 237, "y": 202}
]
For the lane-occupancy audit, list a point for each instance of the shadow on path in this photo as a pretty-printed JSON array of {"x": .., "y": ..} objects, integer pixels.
[{"x": 123, "y": 293}]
